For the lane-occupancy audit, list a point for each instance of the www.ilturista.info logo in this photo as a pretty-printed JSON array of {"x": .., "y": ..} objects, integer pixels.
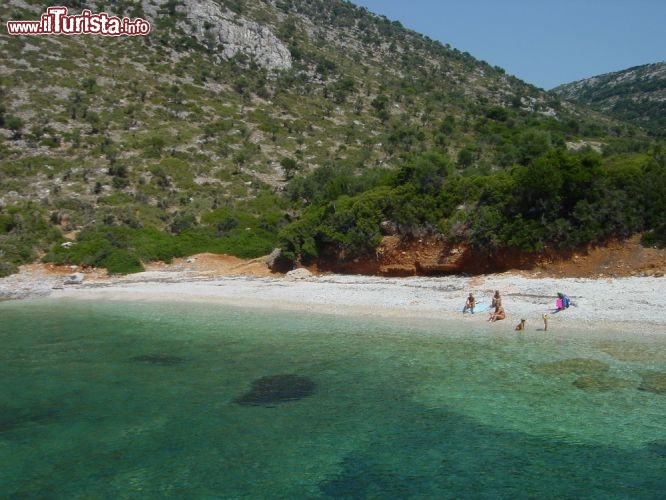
[{"x": 56, "y": 22}]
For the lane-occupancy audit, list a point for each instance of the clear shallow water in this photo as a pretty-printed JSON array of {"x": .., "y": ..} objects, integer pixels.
[{"x": 139, "y": 400}]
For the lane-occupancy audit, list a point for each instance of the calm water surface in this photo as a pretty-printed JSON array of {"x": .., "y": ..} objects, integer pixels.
[{"x": 144, "y": 400}]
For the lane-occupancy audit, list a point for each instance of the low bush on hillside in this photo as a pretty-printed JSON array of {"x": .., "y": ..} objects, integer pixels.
[
  {"x": 122, "y": 249},
  {"x": 24, "y": 233}
]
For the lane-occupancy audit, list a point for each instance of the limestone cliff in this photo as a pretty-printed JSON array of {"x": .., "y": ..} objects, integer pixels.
[{"x": 230, "y": 35}]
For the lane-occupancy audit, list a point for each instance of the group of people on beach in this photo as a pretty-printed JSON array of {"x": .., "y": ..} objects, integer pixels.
[{"x": 498, "y": 313}]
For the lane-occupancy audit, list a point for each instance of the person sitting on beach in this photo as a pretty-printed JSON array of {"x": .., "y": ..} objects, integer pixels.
[
  {"x": 562, "y": 302},
  {"x": 497, "y": 315},
  {"x": 521, "y": 325},
  {"x": 471, "y": 301}
]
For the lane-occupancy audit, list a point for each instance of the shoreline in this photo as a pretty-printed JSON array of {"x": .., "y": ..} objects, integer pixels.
[{"x": 634, "y": 305}]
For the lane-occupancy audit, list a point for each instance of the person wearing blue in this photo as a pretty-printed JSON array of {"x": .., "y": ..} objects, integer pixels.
[{"x": 562, "y": 301}]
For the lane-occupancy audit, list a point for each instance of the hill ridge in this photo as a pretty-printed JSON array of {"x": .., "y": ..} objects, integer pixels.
[{"x": 636, "y": 95}]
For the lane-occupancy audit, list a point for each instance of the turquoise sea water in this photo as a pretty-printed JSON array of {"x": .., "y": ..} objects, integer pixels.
[{"x": 143, "y": 400}]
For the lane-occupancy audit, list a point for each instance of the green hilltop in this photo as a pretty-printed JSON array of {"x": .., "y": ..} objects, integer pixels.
[{"x": 309, "y": 125}]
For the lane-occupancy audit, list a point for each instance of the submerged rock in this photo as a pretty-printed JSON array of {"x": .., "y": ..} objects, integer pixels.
[
  {"x": 625, "y": 351},
  {"x": 581, "y": 366},
  {"x": 12, "y": 418},
  {"x": 601, "y": 383},
  {"x": 159, "y": 359},
  {"x": 658, "y": 447},
  {"x": 653, "y": 382},
  {"x": 276, "y": 389}
]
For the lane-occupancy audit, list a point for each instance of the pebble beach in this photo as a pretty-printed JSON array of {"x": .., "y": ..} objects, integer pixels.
[{"x": 632, "y": 304}]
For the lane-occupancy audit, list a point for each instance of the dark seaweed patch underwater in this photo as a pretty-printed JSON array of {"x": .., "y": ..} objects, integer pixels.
[{"x": 275, "y": 389}]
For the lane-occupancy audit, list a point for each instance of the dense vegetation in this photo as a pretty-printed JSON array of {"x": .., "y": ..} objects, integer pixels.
[
  {"x": 133, "y": 149},
  {"x": 122, "y": 247},
  {"x": 557, "y": 200}
]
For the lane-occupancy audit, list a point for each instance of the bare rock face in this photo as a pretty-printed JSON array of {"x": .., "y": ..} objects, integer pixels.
[
  {"x": 299, "y": 274},
  {"x": 232, "y": 35},
  {"x": 277, "y": 262}
]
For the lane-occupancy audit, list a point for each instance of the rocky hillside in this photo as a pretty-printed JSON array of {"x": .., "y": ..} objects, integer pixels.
[
  {"x": 221, "y": 127},
  {"x": 636, "y": 95}
]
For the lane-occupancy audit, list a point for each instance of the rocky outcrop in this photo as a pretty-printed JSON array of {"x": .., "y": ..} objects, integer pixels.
[
  {"x": 434, "y": 256},
  {"x": 278, "y": 263},
  {"x": 407, "y": 257},
  {"x": 299, "y": 274},
  {"x": 654, "y": 382},
  {"x": 74, "y": 279},
  {"x": 231, "y": 35}
]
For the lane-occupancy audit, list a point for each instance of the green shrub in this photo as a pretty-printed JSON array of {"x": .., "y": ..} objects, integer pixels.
[
  {"x": 656, "y": 237},
  {"x": 6, "y": 223},
  {"x": 151, "y": 244},
  {"x": 24, "y": 233},
  {"x": 100, "y": 246},
  {"x": 247, "y": 243},
  {"x": 122, "y": 262}
]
